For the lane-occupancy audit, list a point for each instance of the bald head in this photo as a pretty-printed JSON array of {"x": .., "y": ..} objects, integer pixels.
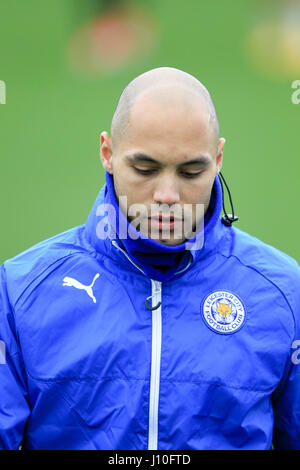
[{"x": 166, "y": 87}]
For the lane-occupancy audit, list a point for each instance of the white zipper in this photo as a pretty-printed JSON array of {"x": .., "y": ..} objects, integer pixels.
[
  {"x": 156, "y": 354},
  {"x": 155, "y": 366}
]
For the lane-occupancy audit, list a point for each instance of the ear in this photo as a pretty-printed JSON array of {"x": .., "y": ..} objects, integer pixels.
[
  {"x": 106, "y": 152},
  {"x": 219, "y": 158}
]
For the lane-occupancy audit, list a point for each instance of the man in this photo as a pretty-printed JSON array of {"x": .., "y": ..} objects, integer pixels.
[{"x": 157, "y": 326}]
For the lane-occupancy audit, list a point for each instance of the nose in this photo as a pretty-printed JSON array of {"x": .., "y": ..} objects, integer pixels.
[{"x": 166, "y": 191}]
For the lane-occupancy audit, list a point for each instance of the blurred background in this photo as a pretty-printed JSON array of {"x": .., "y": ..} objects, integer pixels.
[{"x": 64, "y": 64}]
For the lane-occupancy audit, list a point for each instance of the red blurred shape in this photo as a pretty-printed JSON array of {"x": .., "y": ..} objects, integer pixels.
[{"x": 111, "y": 41}]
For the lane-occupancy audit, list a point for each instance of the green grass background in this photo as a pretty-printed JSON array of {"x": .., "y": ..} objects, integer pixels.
[{"x": 50, "y": 125}]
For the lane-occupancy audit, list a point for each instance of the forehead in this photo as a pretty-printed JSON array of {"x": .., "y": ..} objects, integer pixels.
[
  {"x": 154, "y": 105},
  {"x": 176, "y": 124}
]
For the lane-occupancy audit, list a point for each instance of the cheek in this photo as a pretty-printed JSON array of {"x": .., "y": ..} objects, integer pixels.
[
  {"x": 126, "y": 184},
  {"x": 121, "y": 178},
  {"x": 198, "y": 193}
]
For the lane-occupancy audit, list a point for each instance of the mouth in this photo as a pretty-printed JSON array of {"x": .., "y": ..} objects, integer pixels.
[
  {"x": 164, "y": 218},
  {"x": 164, "y": 222}
]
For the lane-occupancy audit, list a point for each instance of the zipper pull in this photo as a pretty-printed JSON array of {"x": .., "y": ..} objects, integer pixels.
[
  {"x": 157, "y": 290},
  {"x": 148, "y": 306}
]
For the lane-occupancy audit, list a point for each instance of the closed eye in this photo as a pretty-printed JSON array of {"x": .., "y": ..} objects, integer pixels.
[
  {"x": 188, "y": 174},
  {"x": 144, "y": 172},
  {"x": 185, "y": 174}
]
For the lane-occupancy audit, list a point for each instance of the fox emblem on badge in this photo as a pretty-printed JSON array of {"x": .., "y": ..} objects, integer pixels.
[
  {"x": 71, "y": 282},
  {"x": 224, "y": 311}
]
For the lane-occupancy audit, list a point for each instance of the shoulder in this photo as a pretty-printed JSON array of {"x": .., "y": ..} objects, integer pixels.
[
  {"x": 250, "y": 250},
  {"x": 38, "y": 261},
  {"x": 271, "y": 265}
]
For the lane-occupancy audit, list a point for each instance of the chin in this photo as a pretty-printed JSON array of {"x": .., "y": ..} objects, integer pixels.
[{"x": 169, "y": 242}]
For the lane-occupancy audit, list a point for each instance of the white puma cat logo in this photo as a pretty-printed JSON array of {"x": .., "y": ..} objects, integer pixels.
[{"x": 69, "y": 281}]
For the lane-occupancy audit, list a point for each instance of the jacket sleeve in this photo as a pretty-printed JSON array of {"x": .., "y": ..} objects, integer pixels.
[
  {"x": 14, "y": 407},
  {"x": 286, "y": 399}
]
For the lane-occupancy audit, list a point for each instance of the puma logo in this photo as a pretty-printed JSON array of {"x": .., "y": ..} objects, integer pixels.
[{"x": 70, "y": 282}]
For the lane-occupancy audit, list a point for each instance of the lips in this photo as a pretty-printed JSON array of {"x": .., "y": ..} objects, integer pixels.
[
  {"x": 164, "y": 222},
  {"x": 161, "y": 218}
]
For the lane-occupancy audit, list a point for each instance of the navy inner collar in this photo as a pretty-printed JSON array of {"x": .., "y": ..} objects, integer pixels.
[{"x": 158, "y": 261}]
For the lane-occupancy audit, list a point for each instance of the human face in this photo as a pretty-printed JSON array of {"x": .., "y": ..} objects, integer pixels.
[{"x": 167, "y": 161}]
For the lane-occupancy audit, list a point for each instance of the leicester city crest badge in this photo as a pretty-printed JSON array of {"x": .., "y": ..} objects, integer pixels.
[{"x": 223, "y": 312}]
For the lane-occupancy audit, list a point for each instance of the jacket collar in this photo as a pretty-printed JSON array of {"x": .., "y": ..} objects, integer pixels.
[{"x": 102, "y": 236}]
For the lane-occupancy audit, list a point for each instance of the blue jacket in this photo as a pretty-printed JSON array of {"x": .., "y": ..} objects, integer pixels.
[{"x": 84, "y": 364}]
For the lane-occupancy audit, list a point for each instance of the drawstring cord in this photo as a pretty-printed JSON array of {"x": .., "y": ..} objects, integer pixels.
[{"x": 227, "y": 219}]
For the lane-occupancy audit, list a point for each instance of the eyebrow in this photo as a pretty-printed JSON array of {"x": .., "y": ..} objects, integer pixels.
[{"x": 142, "y": 158}]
